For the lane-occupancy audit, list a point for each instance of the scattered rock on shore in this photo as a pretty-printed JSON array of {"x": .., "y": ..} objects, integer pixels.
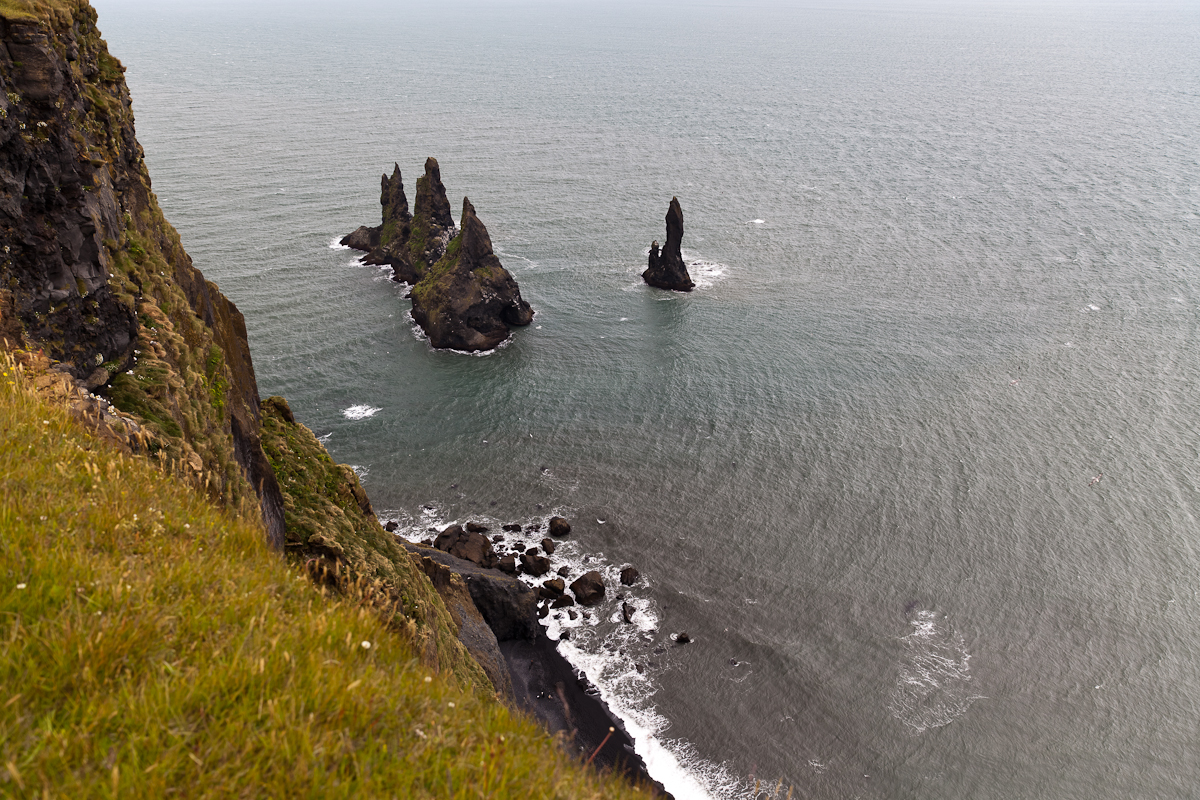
[
  {"x": 559, "y": 527},
  {"x": 467, "y": 545},
  {"x": 553, "y": 589},
  {"x": 629, "y": 576},
  {"x": 535, "y": 565},
  {"x": 589, "y": 588},
  {"x": 682, "y": 638},
  {"x": 548, "y": 545},
  {"x": 666, "y": 270},
  {"x": 627, "y": 612}
]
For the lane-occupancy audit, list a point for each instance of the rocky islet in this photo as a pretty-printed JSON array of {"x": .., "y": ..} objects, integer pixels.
[
  {"x": 462, "y": 296},
  {"x": 665, "y": 269}
]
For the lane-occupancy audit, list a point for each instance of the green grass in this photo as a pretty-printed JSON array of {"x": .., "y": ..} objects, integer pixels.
[
  {"x": 36, "y": 9},
  {"x": 154, "y": 647}
]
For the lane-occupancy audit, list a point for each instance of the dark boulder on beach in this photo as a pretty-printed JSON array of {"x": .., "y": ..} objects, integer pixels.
[
  {"x": 508, "y": 564},
  {"x": 683, "y": 638},
  {"x": 589, "y": 588},
  {"x": 535, "y": 565},
  {"x": 548, "y": 545},
  {"x": 563, "y": 602},
  {"x": 512, "y": 527},
  {"x": 629, "y": 576},
  {"x": 627, "y": 612},
  {"x": 468, "y": 300},
  {"x": 559, "y": 527},
  {"x": 467, "y": 545},
  {"x": 666, "y": 269},
  {"x": 475, "y": 527},
  {"x": 553, "y": 589}
]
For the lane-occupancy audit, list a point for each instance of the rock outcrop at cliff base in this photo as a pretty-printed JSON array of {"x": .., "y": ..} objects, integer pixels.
[{"x": 666, "y": 270}]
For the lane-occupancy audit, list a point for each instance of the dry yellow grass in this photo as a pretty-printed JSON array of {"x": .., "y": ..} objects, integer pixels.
[{"x": 152, "y": 646}]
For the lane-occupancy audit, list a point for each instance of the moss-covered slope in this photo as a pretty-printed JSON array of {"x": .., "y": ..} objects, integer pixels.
[
  {"x": 334, "y": 535},
  {"x": 154, "y": 647}
]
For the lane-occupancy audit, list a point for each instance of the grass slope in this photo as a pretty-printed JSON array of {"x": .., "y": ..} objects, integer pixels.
[{"x": 153, "y": 646}]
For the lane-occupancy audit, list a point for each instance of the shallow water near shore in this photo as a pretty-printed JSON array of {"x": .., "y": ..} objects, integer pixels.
[{"x": 915, "y": 465}]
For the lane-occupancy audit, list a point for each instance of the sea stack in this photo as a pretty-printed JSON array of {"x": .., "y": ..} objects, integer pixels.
[
  {"x": 467, "y": 300},
  {"x": 388, "y": 244},
  {"x": 432, "y": 225},
  {"x": 666, "y": 270}
]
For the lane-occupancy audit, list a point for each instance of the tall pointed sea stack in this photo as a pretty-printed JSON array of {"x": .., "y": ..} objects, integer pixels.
[
  {"x": 468, "y": 299},
  {"x": 666, "y": 270},
  {"x": 432, "y": 225},
  {"x": 387, "y": 244}
]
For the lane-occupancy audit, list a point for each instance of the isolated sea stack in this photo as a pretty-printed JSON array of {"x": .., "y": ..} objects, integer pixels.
[
  {"x": 666, "y": 269},
  {"x": 468, "y": 299}
]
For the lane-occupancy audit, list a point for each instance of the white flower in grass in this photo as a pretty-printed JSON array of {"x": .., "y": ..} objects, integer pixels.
[{"x": 366, "y": 645}]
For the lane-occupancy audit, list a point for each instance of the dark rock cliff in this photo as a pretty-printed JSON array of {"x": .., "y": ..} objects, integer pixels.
[
  {"x": 92, "y": 274},
  {"x": 666, "y": 270},
  {"x": 468, "y": 299}
]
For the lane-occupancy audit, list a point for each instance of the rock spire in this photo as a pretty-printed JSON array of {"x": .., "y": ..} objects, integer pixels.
[
  {"x": 666, "y": 270},
  {"x": 468, "y": 299}
]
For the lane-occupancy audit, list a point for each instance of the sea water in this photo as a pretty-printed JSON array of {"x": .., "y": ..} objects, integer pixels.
[{"x": 917, "y": 463}]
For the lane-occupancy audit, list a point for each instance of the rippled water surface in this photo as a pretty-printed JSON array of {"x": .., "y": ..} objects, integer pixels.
[{"x": 915, "y": 465}]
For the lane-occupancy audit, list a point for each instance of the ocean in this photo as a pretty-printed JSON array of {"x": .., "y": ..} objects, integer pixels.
[{"x": 916, "y": 465}]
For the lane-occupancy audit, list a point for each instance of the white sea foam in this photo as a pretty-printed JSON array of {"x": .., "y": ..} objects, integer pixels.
[
  {"x": 758, "y": 221},
  {"x": 605, "y": 650},
  {"x": 706, "y": 273},
  {"x": 360, "y": 412},
  {"x": 336, "y": 244},
  {"x": 421, "y": 336},
  {"x": 934, "y": 681},
  {"x": 361, "y": 471}
]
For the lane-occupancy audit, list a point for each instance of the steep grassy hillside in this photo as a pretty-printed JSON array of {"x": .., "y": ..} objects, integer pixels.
[{"x": 154, "y": 646}]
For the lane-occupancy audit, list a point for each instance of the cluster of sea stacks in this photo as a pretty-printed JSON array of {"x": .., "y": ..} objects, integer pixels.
[{"x": 462, "y": 297}]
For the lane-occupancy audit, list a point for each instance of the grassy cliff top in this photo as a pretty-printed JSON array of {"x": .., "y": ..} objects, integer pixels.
[
  {"x": 155, "y": 647},
  {"x": 36, "y": 9}
]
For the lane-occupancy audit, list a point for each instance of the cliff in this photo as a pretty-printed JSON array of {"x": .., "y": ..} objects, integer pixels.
[
  {"x": 94, "y": 276},
  {"x": 157, "y": 642}
]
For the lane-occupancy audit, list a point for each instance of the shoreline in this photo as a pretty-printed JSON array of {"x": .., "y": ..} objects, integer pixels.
[{"x": 544, "y": 683}]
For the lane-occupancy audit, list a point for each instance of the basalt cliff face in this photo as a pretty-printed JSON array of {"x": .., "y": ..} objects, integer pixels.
[
  {"x": 666, "y": 270},
  {"x": 97, "y": 292},
  {"x": 91, "y": 273},
  {"x": 462, "y": 296}
]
